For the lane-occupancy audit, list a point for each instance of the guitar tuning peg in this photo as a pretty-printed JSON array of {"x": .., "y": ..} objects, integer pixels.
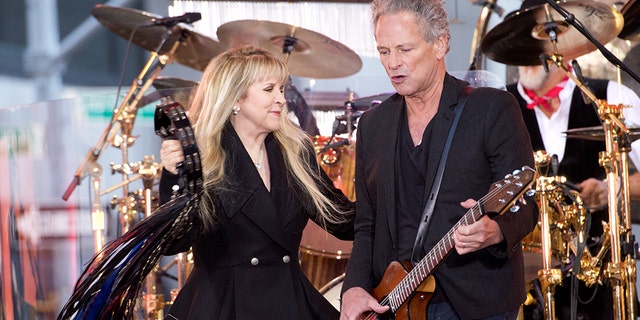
[
  {"x": 530, "y": 192},
  {"x": 517, "y": 171},
  {"x": 514, "y": 208},
  {"x": 523, "y": 201}
]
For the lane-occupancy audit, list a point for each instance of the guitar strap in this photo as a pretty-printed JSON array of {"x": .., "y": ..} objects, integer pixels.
[{"x": 435, "y": 188}]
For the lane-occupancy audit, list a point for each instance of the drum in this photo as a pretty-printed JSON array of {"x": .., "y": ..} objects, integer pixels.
[
  {"x": 323, "y": 257},
  {"x": 331, "y": 291},
  {"x": 338, "y": 161}
]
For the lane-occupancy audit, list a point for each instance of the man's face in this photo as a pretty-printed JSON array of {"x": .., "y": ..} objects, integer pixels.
[
  {"x": 533, "y": 77},
  {"x": 410, "y": 62}
]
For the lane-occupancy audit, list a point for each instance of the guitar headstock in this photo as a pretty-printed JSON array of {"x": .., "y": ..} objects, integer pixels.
[{"x": 507, "y": 191}]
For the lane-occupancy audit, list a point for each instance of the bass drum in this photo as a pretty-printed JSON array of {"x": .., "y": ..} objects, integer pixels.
[{"x": 331, "y": 291}]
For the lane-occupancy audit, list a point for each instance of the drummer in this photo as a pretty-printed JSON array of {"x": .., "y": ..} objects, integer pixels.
[{"x": 551, "y": 103}]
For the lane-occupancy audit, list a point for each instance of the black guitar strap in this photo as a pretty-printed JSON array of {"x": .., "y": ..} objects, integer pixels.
[{"x": 435, "y": 188}]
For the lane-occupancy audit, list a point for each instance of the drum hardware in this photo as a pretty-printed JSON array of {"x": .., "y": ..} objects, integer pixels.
[
  {"x": 168, "y": 43},
  {"x": 615, "y": 162},
  {"x": 488, "y": 6},
  {"x": 549, "y": 277},
  {"x": 307, "y": 53},
  {"x": 590, "y": 267}
]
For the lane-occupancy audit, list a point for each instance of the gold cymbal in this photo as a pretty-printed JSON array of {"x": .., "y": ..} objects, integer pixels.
[
  {"x": 195, "y": 51},
  {"x": 311, "y": 54},
  {"x": 521, "y": 37},
  {"x": 631, "y": 13},
  {"x": 597, "y": 133}
]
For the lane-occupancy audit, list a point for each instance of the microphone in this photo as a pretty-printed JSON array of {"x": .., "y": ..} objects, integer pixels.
[
  {"x": 578, "y": 71},
  {"x": 188, "y": 17}
]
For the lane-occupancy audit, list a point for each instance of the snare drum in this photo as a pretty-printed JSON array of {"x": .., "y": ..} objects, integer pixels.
[
  {"x": 323, "y": 257},
  {"x": 331, "y": 291}
]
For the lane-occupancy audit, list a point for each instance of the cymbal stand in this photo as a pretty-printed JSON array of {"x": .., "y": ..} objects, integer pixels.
[
  {"x": 489, "y": 6},
  {"x": 546, "y": 191},
  {"x": 125, "y": 114},
  {"x": 97, "y": 213},
  {"x": 549, "y": 277},
  {"x": 154, "y": 302}
]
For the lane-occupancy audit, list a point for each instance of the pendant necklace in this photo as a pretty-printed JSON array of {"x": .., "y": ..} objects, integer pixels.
[{"x": 258, "y": 164}]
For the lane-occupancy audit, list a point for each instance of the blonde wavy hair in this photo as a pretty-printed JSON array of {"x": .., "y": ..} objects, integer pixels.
[{"x": 226, "y": 80}]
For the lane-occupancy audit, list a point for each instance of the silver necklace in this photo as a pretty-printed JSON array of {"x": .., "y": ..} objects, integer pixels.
[{"x": 258, "y": 164}]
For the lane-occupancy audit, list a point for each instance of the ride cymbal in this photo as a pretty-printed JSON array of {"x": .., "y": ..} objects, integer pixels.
[
  {"x": 195, "y": 51},
  {"x": 521, "y": 37},
  {"x": 310, "y": 54}
]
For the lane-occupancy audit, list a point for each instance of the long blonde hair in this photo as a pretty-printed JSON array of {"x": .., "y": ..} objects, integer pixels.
[{"x": 226, "y": 80}]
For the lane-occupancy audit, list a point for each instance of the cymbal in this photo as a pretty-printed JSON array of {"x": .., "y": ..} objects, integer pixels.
[
  {"x": 173, "y": 83},
  {"x": 364, "y": 103},
  {"x": 631, "y": 13},
  {"x": 520, "y": 38},
  {"x": 195, "y": 51},
  {"x": 597, "y": 133},
  {"x": 312, "y": 54},
  {"x": 178, "y": 89}
]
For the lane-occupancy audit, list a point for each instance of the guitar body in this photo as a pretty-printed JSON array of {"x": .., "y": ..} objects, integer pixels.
[
  {"x": 407, "y": 289},
  {"x": 415, "y": 307}
]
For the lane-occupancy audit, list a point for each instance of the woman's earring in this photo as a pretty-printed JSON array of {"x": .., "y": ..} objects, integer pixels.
[{"x": 235, "y": 110}]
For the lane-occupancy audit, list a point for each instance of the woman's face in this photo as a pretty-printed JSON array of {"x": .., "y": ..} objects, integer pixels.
[{"x": 261, "y": 108}]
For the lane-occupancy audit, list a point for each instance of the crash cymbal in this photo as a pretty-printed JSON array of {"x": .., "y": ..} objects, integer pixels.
[
  {"x": 520, "y": 38},
  {"x": 597, "y": 133},
  {"x": 311, "y": 54},
  {"x": 195, "y": 51},
  {"x": 631, "y": 13}
]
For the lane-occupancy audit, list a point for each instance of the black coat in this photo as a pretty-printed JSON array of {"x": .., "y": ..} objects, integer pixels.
[
  {"x": 248, "y": 268},
  {"x": 490, "y": 142}
]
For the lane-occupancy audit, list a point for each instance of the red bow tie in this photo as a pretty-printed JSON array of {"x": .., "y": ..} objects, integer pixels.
[{"x": 543, "y": 101}]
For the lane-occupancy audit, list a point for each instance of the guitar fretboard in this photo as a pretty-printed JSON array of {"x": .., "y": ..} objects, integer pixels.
[{"x": 430, "y": 261}]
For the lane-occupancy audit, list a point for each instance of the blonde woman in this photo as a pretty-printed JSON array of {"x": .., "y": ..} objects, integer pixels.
[{"x": 262, "y": 184}]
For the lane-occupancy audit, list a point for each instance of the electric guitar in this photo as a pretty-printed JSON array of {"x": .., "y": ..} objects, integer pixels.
[{"x": 404, "y": 288}]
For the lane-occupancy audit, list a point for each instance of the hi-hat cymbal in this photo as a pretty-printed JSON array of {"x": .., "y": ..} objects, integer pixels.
[
  {"x": 195, "y": 51},
  {"x": 311, "y": 54},
  {"x": 597, "y": 133},
  {"x": 521, "y": 37},
  {"x": 631, "y": 13}
]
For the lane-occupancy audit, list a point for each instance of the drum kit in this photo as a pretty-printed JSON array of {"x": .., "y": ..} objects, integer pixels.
[
  {"x": 549, "y": 33},
  {"x": 307, "y": 54}
]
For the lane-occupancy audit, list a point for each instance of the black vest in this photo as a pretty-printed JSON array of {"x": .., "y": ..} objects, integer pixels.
[{"x": 580, "y": 160}]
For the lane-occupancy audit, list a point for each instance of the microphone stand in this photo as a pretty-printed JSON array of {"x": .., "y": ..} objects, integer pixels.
[{"x": 122, "y": 121}]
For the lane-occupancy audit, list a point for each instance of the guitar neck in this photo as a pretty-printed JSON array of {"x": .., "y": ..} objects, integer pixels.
[{"x": 431, "y": 260}]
